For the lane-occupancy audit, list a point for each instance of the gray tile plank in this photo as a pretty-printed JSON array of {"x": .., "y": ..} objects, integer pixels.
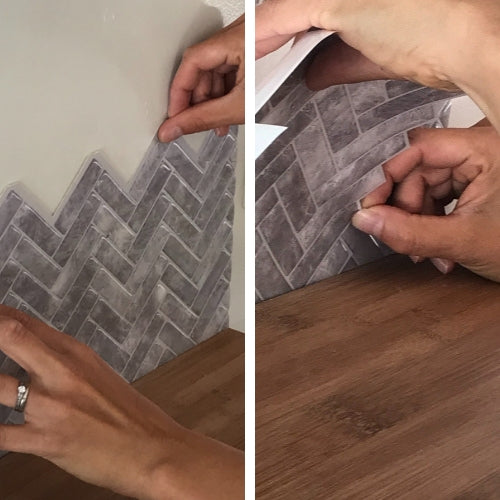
[
  {"x": 149, "y": 257},
  {"x": 78, "y": 197},
  {"x": 181, "y": 255},
  {"x": 114, "y": 197},
  {"x": 80, "y": 315},
  {"x": 112, "y": 292},
  {"x": 9, "y": 205},
  {"x": 8, "y": 276},
  {"x": 109, "y": 351},
  {"x": 186, "y": 200},
  {"x": 180, "y": 285},
  {"x": 73, "y": 267},
  {"x": 184, "y": 166},
  {"x": 149, "y": 228},
  {"x": 109, "y": 321},
  {"x": 222, "y": 210},
  {"x": 210, "y": 282},
  {"x": 36, "y": 263},
  {"x": 113, "y": 261},
  {"x": 142, "y": 294},
  {"x": 113, "y": 229},
  {"x": 182, "y": 226},
  {"x": 214, "y": 196},
  {"x": 175, "y": 340},
  {"x": 77, "y": 230},
  {"x": 8, "y": 242},
  {"x": 335, "y": 108},
  {"x": 269, "y": 280},
  {"x": 399, "y": 105},
  {"x": 296, "y": 197},
  {"x": 148, "y": 200},
  {"x": 205, "y": 317},
  {"x": 38, "y": 298},
  {"x": 280, "y": 237},
  {"x": 177, "y": 313},
  {"x": 75, "y": 293},
  {"x": 33, "y": 226}
]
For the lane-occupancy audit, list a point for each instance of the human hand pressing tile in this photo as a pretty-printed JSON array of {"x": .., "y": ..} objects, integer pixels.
[
  {"x": 416, "y": 40},
  {"x": 83, "y": 417},
  {"x": 208, "y": 90},
  {"x": 407, "y": 212}
]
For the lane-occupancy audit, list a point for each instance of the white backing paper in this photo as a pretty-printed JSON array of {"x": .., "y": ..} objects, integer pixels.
[
  {"x": 272, "y": 80},
  {"x": 265, "y": 135}
]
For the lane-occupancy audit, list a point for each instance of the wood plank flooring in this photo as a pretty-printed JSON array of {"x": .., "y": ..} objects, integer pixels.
[
  {"x": 202, "y": 389},
  {"x": 380, "y": 383}
]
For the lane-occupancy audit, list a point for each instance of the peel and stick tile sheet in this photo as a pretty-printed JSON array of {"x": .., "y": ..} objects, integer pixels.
[
  {"x": 310, "y": 179},
  {"x": 141, "y": 274}
]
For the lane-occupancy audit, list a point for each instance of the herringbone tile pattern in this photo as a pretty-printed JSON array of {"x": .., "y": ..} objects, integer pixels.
[
  {"x": 141, "y": 274},
  {"x": 309, "y": 182}
]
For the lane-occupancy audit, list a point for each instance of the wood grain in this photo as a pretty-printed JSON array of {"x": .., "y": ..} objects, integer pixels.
[
  {"x": 202, "y": 389},
  {"x": 380, "y": 383}
]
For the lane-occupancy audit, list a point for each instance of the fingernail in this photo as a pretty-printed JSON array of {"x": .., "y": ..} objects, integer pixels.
[
  {"x": 415, "y": 259},
  {"x": 218, "y": 132},
  {"x": 171, "y": 135},
  {"x": 369, "y": 222},
  {"x": 442, "y": 265}
]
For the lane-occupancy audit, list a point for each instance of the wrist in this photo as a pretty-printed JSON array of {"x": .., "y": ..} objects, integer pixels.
[
  {"x": 474, "y": 67},
  {"x": 197, "y": 467},
  {"x": 162, "y": 473}
]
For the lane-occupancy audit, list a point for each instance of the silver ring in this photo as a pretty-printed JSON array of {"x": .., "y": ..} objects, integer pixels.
[{"x": 23, "y": 391}]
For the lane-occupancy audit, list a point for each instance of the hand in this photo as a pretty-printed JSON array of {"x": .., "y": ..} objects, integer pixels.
[
  {"x": 438, "y": 43},
  {"x": 441, "y": 165},
  {"x": 208, "y": 90},
  {"x": 86, "y": 419},
  {"x": 405, "y": 37}
]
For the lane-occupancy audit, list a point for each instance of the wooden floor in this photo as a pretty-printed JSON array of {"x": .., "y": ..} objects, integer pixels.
[
  {"x": 381, "y": 383},
  {"x": 203, "y": 390}
]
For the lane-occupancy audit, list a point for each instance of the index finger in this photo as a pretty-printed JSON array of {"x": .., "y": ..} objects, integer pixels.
[
  {"x": 60, "y": 342},
  {"x": 433, "y": 149},
  {"x": 206, "y": 56},
  {"x": 24, "y": 347}
]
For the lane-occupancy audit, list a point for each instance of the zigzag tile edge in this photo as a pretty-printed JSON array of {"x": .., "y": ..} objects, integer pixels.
[{"x": 140, "y": 273}]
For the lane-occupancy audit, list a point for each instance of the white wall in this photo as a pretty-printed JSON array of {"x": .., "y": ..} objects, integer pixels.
[{"x": 81, "y": 76}]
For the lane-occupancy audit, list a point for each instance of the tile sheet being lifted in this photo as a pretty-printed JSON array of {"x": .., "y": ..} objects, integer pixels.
[{"x": 309, "y": 181}]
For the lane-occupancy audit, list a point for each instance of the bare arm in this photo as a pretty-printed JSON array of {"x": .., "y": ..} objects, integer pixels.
[
  {"x": 87, "y": 420},
  {"x": 439, "y": 43}
]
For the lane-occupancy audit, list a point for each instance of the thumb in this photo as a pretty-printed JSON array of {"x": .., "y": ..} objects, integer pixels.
[
  {"x": 446, "y": 237},
  {"x": 215, "y": 113}
]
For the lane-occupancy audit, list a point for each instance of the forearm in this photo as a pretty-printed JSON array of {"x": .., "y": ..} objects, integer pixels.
[
  {"x": 470, "y": 59},
  {"x": 198, "y": 468},
  {"x": 484, "y": 91}
]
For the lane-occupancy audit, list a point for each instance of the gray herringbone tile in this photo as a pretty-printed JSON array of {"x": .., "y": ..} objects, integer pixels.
[
  {"x": 139, "y": 274},
  {"x": 308, "y": 182}
]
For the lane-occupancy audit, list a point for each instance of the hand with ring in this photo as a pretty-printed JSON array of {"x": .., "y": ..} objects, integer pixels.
[{"x": 86, "y": 419}]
